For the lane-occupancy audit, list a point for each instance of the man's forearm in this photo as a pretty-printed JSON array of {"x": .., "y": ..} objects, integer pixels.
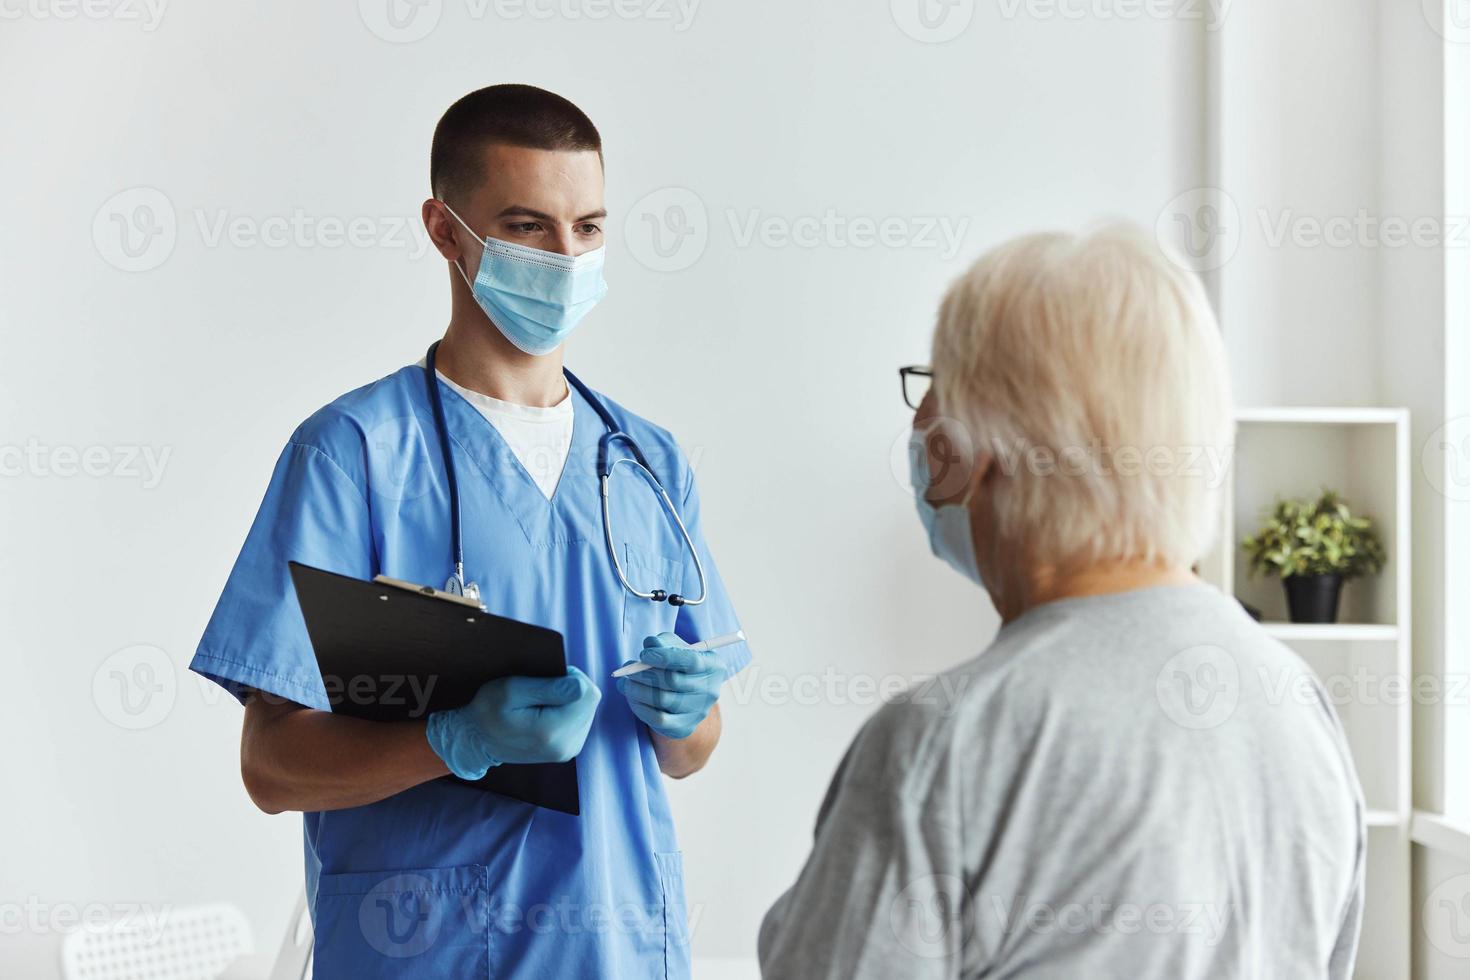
[
  {"x": 297, "y": 758},
  {"x": 685, "y": 756}
]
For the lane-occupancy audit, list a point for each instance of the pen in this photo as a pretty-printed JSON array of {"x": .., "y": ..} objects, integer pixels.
[{"x": 714, "y": 643}]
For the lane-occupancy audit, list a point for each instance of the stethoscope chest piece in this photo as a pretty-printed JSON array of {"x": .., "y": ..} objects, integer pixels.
[{"x": 456, "y": 585}]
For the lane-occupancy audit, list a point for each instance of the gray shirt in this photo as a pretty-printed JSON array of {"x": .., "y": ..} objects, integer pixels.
[{"x": 1134, "y": 785}]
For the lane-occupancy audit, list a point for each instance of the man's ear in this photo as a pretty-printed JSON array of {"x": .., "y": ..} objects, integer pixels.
[{"x": 440, "y": 226}]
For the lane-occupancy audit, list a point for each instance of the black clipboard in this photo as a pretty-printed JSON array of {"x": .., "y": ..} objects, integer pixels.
[{"x": 392, "y": 651}]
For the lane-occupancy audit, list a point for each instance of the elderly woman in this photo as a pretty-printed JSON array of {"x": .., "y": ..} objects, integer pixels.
[{"x": 1118, "y": 786}]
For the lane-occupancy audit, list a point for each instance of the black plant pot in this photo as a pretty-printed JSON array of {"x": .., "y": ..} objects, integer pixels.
[{"x": 1313, "y": 598}]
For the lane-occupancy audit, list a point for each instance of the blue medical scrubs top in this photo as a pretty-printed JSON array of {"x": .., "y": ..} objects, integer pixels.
[{"x": 444, "y": 880}]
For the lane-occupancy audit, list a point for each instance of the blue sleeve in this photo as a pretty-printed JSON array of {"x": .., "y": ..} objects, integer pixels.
[
  {"x": 716, "y": 615},
  {"x": 313, "y": 513}
]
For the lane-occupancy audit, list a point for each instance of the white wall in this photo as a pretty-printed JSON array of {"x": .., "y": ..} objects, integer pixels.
[
  {"x": 1442, "y": 879},
  {"x": 1298, "y": 132},
  {"x": 775, "y": 365},
  {"x": 1439, "y": 892},
  {"x": 1411, "y": 309},
  {"x": 1332, "y": 109}
]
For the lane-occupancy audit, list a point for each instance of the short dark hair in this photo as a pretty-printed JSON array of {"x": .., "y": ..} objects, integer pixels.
[{"x": 513, "y": 115}]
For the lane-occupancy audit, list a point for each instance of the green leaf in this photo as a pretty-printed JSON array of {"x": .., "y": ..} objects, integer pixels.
[{"x": 1306, "y": 537}]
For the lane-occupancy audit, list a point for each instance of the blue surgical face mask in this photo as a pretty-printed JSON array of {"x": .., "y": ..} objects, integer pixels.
[
  {"x": 535, "y": 298},
  {"x": 950, "y": 536}
]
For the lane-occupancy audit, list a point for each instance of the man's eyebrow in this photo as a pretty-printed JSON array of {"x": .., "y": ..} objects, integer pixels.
[{"x": 521, "y": 209}]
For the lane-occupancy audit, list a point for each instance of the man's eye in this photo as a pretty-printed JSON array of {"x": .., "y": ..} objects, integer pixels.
[
  {"x": 590, "y": 229},
  {"x": 526, "y": 227}
]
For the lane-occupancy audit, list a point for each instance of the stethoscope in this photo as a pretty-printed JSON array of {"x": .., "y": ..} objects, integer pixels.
[{"x": 457, "y": 584}]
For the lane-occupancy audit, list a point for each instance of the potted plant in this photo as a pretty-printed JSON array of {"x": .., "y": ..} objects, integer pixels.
[{"x": 1314, "y": 546}]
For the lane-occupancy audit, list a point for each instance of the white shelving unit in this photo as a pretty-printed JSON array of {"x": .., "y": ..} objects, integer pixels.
[{"x": 1364, "y": 454}]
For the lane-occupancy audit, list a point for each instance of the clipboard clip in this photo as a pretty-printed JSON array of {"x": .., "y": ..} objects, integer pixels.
[{"x": 429, "y": 591}]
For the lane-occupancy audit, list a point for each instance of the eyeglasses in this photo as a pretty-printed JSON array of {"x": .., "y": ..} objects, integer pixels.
[{"x": 916, "y": 380}]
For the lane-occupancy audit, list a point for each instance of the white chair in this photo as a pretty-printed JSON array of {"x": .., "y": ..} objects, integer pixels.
[
  {"x": 293, "y": 962},
  {"x": 196, "y": 942}
]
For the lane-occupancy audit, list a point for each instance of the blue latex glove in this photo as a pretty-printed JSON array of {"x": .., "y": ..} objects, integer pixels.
[
  {"x": 516, "y": 719},
  {"x": 674, "y": 696}
]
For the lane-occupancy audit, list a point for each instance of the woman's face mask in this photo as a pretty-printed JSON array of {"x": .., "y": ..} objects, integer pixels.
[{"x": 949, "y": 525}]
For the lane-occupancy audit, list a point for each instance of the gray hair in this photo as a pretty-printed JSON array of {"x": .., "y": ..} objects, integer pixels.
[{"x": 1092, "y": 369}]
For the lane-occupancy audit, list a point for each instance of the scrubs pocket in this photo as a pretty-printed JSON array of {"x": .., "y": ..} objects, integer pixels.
[
  {"x": 428, "y": 923},
  {"x": 676, "y": 920},
  {"x": 643, "y": 617}
]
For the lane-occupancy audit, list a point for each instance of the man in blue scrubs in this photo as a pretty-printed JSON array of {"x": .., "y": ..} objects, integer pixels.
[{"x": 409, "y": 874}]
